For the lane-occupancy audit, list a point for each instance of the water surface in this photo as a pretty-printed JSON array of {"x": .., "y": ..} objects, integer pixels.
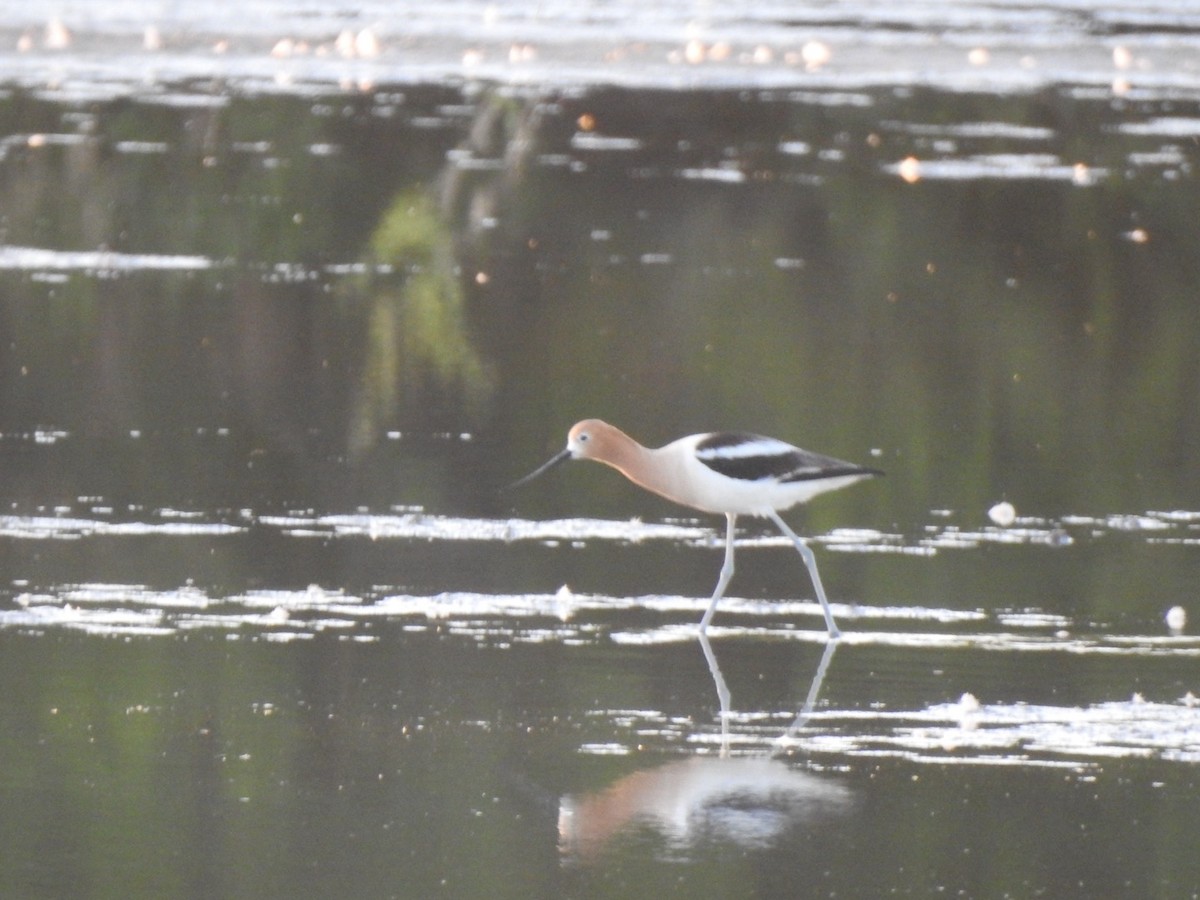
[{"x": 285, "y": 301}]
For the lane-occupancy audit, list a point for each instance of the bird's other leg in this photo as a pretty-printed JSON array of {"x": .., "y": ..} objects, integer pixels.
[
  {"x": 726, "y": 572},
  {"x": 810, "y": 561}
]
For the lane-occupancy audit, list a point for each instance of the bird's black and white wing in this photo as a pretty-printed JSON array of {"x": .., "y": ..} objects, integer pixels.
[{"x": 751, "y": 457}]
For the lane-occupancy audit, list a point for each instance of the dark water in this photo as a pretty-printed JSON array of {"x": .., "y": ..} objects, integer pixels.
[{"x": 268, "y": 626}]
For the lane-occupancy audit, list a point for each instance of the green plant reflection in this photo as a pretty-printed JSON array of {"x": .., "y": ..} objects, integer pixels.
[{"x": 416, "y": 337}]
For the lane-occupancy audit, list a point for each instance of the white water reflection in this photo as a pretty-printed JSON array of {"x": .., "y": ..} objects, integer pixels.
[
  {"x": 967, "y": 732},
  {"x": 65, "y": 522},
  {"x": 1079, "y": 738},
  {"x": 983, "y": 167},
  {"x": 1163, "y": 126},
  {"x": 287, "y": 45},
  {"x": 44, "y": 259},
  {"x": 1013, "y": 734},
  {"x": 1010, "y": 733},
  {"x": 72, "y": 528},
  {"x": 566, "y": 613},
  {"x": 101, "y": 263},
  {"x": 422, "y": 526},
  {"x": 563, "y": 616}
]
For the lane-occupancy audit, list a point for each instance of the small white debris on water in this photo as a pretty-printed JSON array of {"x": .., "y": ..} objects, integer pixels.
[
  {"x": 58, "y": 36},
  {"x": 968, "y": 712},
  {"x": 815, "y": 54},
  {"x": 366, "y": 44},
  {"x": 564, "y": 603},
  {"x": 1003, "y": 514},
  {"x": 1176, "y": 618}
]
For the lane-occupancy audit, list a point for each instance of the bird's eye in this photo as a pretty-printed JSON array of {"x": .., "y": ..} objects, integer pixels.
[{"x": 583, "y": 437}]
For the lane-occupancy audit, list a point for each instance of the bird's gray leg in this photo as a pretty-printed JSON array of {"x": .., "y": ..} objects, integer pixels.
[
  {"x": 810, "y": 561},
  {"x": 726, "y": 572},
  {"x": 714, "y": 669}
]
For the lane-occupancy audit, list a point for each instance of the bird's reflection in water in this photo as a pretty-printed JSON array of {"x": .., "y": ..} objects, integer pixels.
[
  {"x": 748, "y": 802},
  {"x": 802, "y": 717}
]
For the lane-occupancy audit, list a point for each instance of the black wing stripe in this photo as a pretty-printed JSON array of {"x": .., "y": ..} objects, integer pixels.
[{"x": 749, "y": 457}]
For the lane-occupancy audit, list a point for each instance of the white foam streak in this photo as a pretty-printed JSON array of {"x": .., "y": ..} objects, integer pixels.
[
  {"x": 1080, "y": 738},
  {"x": 419, "y": 526},
  {"x": 73, "y": 528},
  {"x": 1006, "y": 734},
  {"x": 40, "y": 259}
]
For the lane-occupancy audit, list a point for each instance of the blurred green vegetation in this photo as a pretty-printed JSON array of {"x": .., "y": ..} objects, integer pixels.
[{"x": 417, "y": 334}]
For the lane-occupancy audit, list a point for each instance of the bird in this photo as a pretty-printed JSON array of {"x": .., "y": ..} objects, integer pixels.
[{"x": 723, "y": 472}]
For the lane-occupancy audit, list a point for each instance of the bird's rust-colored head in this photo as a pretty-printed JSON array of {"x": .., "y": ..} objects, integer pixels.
[{"x": 588, "y": 439}]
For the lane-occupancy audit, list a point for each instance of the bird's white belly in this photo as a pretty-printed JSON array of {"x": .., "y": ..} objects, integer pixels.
[{"x": 709, "y": 491}]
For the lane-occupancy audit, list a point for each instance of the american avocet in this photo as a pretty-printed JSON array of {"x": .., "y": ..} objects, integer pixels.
[{"x": 720, "y": 472}]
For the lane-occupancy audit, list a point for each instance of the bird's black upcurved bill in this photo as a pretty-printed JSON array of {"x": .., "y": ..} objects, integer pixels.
[{"x": 562, "y": 456}]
